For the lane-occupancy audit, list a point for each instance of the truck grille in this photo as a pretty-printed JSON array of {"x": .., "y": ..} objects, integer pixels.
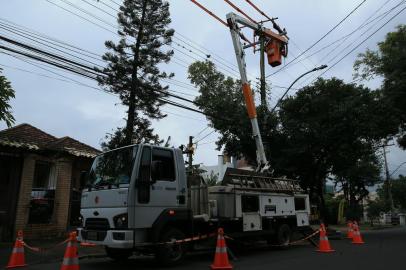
[{"x": 99, "y": 224}]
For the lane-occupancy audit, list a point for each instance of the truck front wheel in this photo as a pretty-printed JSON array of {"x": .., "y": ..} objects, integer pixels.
[
  {"x": 168, "y": 252},
  {"x": 118, "y": 254}
]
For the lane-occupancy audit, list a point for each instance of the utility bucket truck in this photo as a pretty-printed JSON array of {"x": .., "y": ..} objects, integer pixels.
[{"x": 141, "y": 197}]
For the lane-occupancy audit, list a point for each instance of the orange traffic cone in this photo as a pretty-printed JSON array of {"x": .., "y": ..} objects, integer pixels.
[
  {"x": 17, "y": 256},
  {"x": 357, "y": 239},
  {"x": 221, "y": 256},
  {"x": 350, "y": 232},
  {"x": 324, "y": 244},
  {"x": 70, "y": 259}
]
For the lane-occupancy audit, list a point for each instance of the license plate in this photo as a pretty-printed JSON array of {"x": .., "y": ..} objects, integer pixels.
[{"x": 92, "y": 236}]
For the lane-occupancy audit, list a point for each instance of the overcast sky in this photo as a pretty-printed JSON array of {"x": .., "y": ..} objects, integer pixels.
[{"x": 66, "y": 109}]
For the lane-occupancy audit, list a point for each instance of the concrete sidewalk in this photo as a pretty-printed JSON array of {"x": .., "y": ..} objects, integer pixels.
[{"x": 52, "y": 252}]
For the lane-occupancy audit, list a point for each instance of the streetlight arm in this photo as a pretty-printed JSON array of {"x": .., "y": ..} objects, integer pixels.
[{"x": 301, "y": 76}]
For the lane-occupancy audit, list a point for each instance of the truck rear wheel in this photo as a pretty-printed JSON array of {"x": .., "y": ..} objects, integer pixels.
[
  {"x": 282, "y": 236},
  {"x": 170, "y": 254},
  {"x": 118, "y": 254}
]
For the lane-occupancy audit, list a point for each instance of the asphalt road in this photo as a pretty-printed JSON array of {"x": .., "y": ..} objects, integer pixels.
[{"x": 384, "y": 249}]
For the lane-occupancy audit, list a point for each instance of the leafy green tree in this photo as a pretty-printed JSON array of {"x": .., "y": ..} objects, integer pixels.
[
  {"x": 389, "y": 62},
  {"x": 212, "y": 179},
  {"x": 398, "y": 189},
  {"x": 6, "y": 93},
  {"x": 221, "y": 97},
  {"x": 330, "y": 130},
  {"x": 133, "y": 62}
]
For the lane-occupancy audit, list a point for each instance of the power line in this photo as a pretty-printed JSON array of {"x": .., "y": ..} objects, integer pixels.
[
  {"x": 42, "y": 36},
  {"x": 92, "y": 15},
  {"x": 206, "y": 136},
  {"x": 107, "y": 5},
  {"x": 83, "y": 18},
  {"x": 320, "y": 39},
  {"x": 362, "y": 42},
  {"x": 49, "y": 46},
  {"x": 385, "y": 14},
  {"x": 345, "y": 37},
  {"x": 62, "y": 66},
  {"x": 89, "y": 13},
  {"x": 102, "y": 10},
  {"x": 42, "y": 43},
  {"x": 210, "y": 13},
  {"x": 88, "y": 69},
  {"x": 240, "y": 11},
  {"x": 358, "y": 37},
  {"x": 115, "y": 3}
]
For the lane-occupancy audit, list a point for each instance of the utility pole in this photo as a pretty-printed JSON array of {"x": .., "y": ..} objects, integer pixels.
[
  {"x": 190, "y": 152},
  {"x": 262, "y": 67},
  {"x": 387, "y": 180}
]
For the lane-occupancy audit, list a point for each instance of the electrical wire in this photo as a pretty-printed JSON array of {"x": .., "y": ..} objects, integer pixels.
[
  {"x": 240, "y": 11},
  {"x": 206, "y": 136},
  {"x": 320, "y": 39},
  {"x": 362, "y": 42}
]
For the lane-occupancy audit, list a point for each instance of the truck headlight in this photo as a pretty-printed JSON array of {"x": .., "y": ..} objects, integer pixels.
[{"x": 121, "y": 221}]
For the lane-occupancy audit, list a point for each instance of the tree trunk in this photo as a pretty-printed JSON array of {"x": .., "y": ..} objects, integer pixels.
[
  {"x": 134, "y": 78},
  {"x": 322, "y": 203}
]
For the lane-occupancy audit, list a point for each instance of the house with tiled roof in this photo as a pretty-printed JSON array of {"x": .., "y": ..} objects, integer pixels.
[{"x": 41, "y": 177}]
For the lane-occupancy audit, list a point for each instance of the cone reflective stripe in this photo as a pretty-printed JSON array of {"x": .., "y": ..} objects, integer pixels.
[
  {"x": 70, "y": 259},
  {"x": 221, "y": 256},
  {"x": 357, "y": 239},
  {"x": 350, "y": 233},
  {"x": 17, "y": 258},
  {"x": 324, "y": 244}
]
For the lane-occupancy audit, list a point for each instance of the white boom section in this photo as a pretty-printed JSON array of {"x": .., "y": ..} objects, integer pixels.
[{"x": 233, "y": 21}]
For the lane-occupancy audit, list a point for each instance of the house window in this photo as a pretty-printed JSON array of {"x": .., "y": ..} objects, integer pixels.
[{"x": 42, "y": 193}]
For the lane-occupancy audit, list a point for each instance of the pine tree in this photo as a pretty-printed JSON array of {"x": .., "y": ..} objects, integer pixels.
[
  {"x": 144, "y": 134},
  {"x": 132, "y": 71},
  {"x": 6, "y": 93}
]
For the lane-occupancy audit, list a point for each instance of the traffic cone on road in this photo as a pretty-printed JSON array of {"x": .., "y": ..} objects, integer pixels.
[
  {"x": 350, "y": 232},
  {"x": 357, "y": 239},
  {"x": 324, "y": 244},
  {"x": 221, "y": 256},
  {"x": 17, "y": 258},
  {"x": 70, "y": 259}
]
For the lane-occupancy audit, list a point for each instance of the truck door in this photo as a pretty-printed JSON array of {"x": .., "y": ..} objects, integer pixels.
[{"x": 157, "y": 187}]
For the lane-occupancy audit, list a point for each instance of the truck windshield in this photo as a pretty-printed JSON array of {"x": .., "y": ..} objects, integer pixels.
[{"x": 113, "y": 168}]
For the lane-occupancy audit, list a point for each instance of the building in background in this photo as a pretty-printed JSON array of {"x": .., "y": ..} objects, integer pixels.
[
  {"x": 224, "y": 162},
  {"x": 41, "y": 178}
]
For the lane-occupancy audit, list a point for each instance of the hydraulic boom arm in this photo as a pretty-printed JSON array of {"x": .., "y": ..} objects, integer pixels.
[{"x": 273, "y": 39}]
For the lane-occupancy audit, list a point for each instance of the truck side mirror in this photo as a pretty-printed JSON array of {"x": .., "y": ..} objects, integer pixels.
[{"x": 157, "y": 167}]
